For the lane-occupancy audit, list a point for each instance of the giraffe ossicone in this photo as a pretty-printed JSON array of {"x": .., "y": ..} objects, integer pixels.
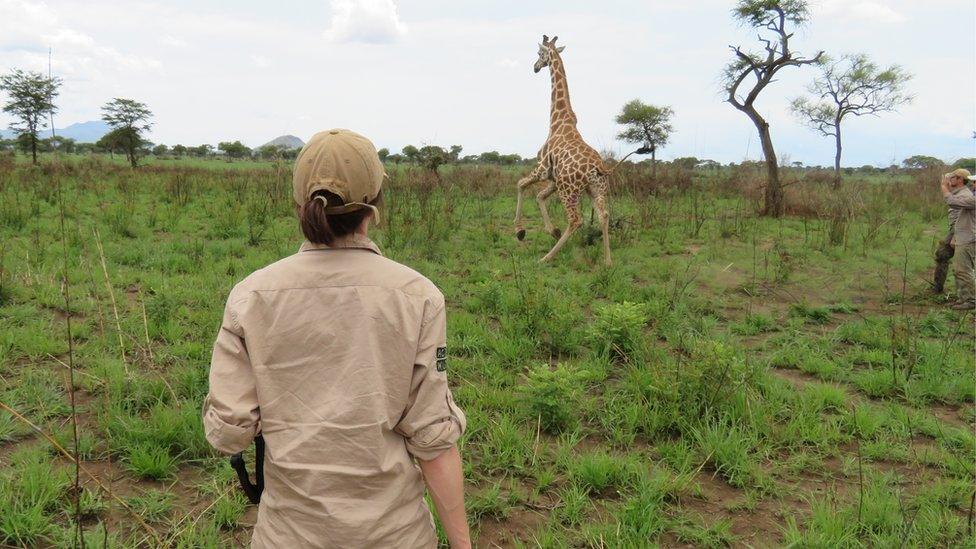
[{"x": 566, "y": 162}]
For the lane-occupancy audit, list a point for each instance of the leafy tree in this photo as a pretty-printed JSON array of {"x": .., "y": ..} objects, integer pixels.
[
  {"x": 490, "y": 157},
  {"x": 268, "y": 151},
  {"x": 432, "y": 157},
  {"x": 160, "y": 150},
  {"x": 774, "y": 18},
  {"x": 129, "y": 119},
  {"x": 965, "y": 163},
  {"x": 65, "y": 145},
  {"x": 113, "y": 141},
  {"x": 384, "y": 154},
  {"x": 852, "y": 85},
  {"x": 201, "y": 150},
  {"x": 411, "y": 153},
  {"x": 31, "y": 100},
  {"x": 921, "y": 162},
  {"x": 648, "y": 125},
  {"x": 686, "y": 162},
  {"x": 234, "y": 149},
  {"x": 179, "y": 150},
  {"x": 454, "y": 152}
]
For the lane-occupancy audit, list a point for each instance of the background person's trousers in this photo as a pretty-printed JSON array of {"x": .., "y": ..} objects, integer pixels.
[
  {"x": 965, "y": 261},
  {"x": 943, "y": 256}
]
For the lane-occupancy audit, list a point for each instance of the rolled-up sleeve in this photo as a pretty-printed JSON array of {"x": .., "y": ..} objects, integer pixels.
[
  {"x": 431, "y": 422},
  {"x": 964, "y": 199},
  {"x": 230, "y": 411}
]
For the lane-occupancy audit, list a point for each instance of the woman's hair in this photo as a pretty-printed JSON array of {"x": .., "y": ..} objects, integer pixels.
[{"x": 321, "y": 228}]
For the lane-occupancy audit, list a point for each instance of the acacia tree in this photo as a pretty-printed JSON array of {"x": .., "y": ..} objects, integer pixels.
[
  {"x": 128, "y": 119},
  {"x": 649, "y": 125},
  {"x": 31, "y": 100},
  {"x": 432, "y": 157},
  {"x": 772, "y": 18},
  {"x": 852, "y": 85}
]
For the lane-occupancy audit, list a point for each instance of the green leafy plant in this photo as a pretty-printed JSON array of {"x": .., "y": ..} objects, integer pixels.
[
  {"x": 616, "y": 329},
  {"x": 550, "y": 395}
]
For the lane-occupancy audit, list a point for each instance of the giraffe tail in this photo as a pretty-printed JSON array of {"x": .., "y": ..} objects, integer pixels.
[{"x": 609, "y": 171}]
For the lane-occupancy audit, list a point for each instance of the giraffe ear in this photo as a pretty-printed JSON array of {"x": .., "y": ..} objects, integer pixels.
[{"x": 560, "y": 49}]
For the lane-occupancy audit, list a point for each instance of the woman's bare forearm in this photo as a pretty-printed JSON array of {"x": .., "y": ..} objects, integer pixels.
[{"x": 445, "y": 483}]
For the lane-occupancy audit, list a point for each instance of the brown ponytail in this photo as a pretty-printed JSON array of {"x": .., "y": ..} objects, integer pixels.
[{"x": 321, "y": 228}]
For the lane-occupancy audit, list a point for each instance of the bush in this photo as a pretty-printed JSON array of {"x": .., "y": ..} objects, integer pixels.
[
  {"x": 550, "y": 396},
  {"x": 616, "y": 328}
]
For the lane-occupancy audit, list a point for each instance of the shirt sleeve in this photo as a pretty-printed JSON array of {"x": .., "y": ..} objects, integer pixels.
[
  {"x": 230, "y": 411},
  {"x": 431, "y": 422},
  {"x": 963, "y": 199}
]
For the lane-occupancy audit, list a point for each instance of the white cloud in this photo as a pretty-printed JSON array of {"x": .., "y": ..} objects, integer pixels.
[
  {"x": 260, "y": 61},
  {"x": 29, "y": 29},
  {"x": 370, "y": 21},
  {"x": 509, "y": 63},
  {"x": 865, "y": 11},
  {"x": 172, "y": 41}
]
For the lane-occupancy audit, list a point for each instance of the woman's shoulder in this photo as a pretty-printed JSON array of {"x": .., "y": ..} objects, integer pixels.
[
  {"x": 394, "y": 274},
  {"x": 367, "y": 270}
]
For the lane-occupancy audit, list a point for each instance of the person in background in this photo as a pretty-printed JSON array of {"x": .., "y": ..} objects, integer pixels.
[
  {"x": 946, "y": 247},
  {"x": 337, "y": 356},
  {"x": 962, "y": 207}
]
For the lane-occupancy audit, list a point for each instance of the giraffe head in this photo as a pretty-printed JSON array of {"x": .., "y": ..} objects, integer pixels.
[{"x": 547, "y": 50}]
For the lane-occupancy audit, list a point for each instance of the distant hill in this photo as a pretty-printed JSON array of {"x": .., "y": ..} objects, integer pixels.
[
  {"x": 82, "y": 132},
  {"x": 286, "y": 141}
]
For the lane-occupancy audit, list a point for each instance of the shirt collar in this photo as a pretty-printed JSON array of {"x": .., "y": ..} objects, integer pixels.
[{"x": 352, "y": 240}]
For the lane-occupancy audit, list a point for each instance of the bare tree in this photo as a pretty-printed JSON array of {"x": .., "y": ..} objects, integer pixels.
[
  {"x": 771, "y": 17},
  {"x": 851, "y": 85},
  {"x": 31, "y": 100}
]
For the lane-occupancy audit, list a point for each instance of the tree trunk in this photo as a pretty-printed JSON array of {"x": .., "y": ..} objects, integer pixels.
[
  {"x": 773, "y": 205},
  {"x": 837, "y": 156},
  {"x": 34, "y": 148},
  {"x": 653, "y": 164}
]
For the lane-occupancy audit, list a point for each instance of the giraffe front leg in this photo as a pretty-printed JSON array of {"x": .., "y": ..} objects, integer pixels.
[
  {"x": 543, "y": 199},
  {"x": 522, "y": 184},
  {"x": 575, "y": 220}
]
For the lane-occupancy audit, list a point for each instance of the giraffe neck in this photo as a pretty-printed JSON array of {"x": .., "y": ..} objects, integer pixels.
[{"x": 562, "y": 112}]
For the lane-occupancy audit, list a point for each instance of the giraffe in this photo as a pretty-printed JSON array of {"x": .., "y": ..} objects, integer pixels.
[{"x": 566, "y": 162}]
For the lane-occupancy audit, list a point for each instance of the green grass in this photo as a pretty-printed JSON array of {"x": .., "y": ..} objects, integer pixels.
[{"x": 603, "y": 404}]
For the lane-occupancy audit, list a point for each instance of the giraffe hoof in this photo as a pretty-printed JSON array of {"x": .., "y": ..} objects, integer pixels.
[
  {"x": 520, "y": 234},
  {"x": 556, "y": 233}
]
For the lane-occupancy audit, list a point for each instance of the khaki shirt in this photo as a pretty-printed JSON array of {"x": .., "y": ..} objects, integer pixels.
[
  {"x": 337, "y": 356},
  {"x": 963, "y": 202}
]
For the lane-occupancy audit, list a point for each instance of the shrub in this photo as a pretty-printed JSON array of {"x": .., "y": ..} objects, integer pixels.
[
  {"x": 616, "y": 328},
  {"x": 550, "y": 396}
]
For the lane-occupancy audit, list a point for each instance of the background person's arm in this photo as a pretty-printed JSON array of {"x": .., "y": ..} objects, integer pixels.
[{"x": 445, "y": 483}]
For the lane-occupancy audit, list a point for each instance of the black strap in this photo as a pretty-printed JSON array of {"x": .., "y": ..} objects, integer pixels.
[{"x": 252, "y": 491}]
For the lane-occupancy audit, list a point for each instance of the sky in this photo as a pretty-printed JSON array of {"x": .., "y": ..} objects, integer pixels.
[{"x": 445, "y": 72}]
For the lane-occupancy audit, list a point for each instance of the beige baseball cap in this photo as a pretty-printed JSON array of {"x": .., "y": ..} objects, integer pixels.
[
  {"x": 341, "y": 162},
  {"x": 963, "y": 173}
]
